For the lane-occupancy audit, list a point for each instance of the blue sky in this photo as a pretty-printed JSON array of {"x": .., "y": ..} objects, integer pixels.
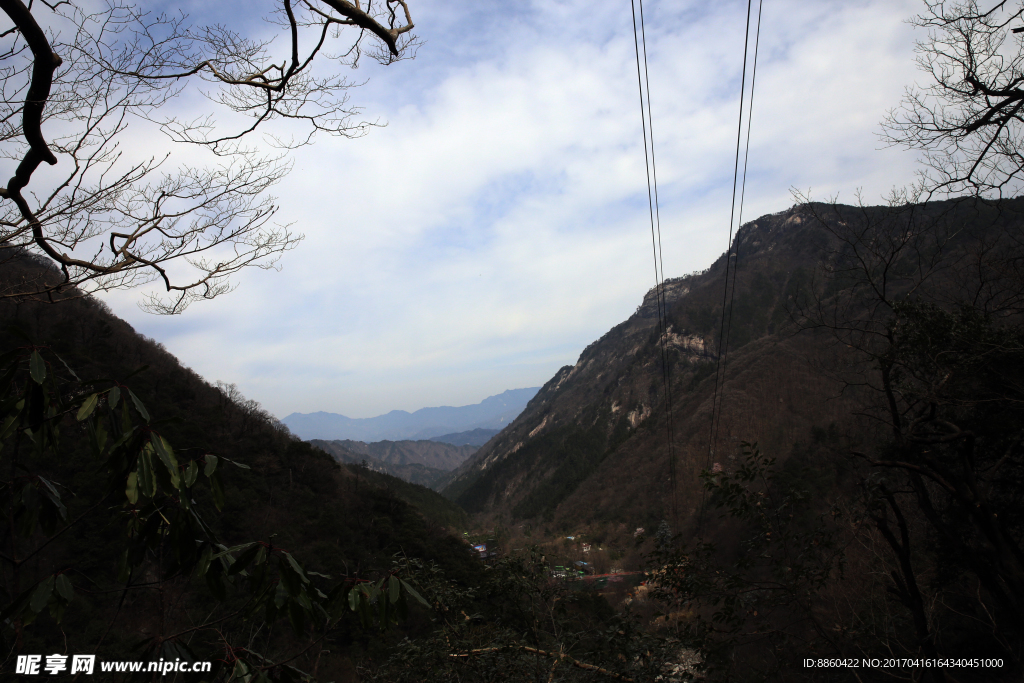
[{"x": 498, "y": 223}]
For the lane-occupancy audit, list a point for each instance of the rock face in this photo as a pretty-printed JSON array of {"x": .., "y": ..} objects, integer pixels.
[
  {"x": 592, "y": 444},
  {"x": 494, "y": 412}
]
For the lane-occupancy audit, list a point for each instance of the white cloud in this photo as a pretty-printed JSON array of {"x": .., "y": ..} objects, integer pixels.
[{"x": 498, "y": 224}]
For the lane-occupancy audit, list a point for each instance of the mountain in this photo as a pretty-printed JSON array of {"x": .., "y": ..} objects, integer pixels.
[
  {"x": 494, "y": 412},
  {"x": 591, "y": 447},
  {"x": 419, "y": 462},
  {"x": 474, "y": 437}
]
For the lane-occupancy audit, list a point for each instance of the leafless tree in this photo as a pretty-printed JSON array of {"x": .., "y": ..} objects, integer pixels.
[
  {"x": 83, "y": 89},
  {"x": 922, "y": 304},
  {"x": 967, "y": 120}
]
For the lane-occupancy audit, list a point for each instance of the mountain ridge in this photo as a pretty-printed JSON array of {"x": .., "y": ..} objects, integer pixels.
[
  {"x": 494, "y": 412},
  {"x": 591, "y": 445}
]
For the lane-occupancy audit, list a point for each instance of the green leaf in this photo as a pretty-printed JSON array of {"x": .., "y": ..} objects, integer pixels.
[
  {"x": 236, "y": 464},
  {"x": 204, "y": 560},
  {"x": 126, "y": 418},
  {"x": 113, "y": 396},
  {"x": 393, "y": 588},
  {"x": 211, "y": 464},
  {"x": 227, "y": 552},
  {"x": 64, "y": 587},
  {"x": 138, "y": 406},
  {"x": 37, "y": 369},
  {"x": 68, "y": 368},
  {"x": 132, "y": 489},
  {"x": 57, "y": 610},
  {"x": 244, "y": 560},
  {"x": 280, "y": 595},
  {"x": 353, "y": 600},
  {"x": 412, "y": 591},
  {"x": 163, "y": 449},
  {"x": 402, "y": 611},
  {"x": 87, "y": 407},
  {"x": 53, "y": 494},
  {"x": 298, "y": 569},
  {"x": 191, "y": 472},
  {"x": 41, "y": 595},
  {"x": 241, "y": 671},
  {"x": 218, "y": 491},
  {"x": 290, "y": 578},
  {"x": 147, "y": 477}
]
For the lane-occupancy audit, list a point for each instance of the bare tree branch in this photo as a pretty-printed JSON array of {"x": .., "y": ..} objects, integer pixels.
[{"x": 109, "y": 219}]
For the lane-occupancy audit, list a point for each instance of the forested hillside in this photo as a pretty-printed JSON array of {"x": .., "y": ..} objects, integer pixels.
[
  {"x": 420, "y": 462},
  {"x": 151, "y": 574}
]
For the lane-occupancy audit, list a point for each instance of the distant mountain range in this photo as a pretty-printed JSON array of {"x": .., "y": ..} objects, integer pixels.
[{"x": 493, "y": 413}]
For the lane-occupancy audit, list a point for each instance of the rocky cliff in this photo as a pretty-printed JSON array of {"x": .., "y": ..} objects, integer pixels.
[{"x": 593, "y": 443}]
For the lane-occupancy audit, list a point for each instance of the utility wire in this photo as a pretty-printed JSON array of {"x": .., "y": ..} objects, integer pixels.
[
  {"x": 743, "y": 194},
  {"x": 716, "y": 416},
  {"x": 655, "y": 217}
]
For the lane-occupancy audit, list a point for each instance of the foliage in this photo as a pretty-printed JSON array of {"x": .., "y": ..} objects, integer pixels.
[
  {"x": 431, "y": 504},
  {"x": 519, "y": 625},
  {"x": 158, "y": 500},
  {"x": 762, "y": 589},
  {"x": 923, "y": 305}
]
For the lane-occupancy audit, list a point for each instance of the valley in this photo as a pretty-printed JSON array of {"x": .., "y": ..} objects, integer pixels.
[
  {"x": 644, "y": 492},
  {"x": 420, "y": 462}
]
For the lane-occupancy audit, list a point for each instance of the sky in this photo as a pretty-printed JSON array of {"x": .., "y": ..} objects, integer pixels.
[{"x": 498, "y": 223}]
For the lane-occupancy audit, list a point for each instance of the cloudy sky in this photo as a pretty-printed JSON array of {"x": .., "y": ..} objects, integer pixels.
[{"x": 498, "y": 223}]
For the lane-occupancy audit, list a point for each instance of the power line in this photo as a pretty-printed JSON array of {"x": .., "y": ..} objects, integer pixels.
[
  {"x": 743, "y": 193},
  {"x": 655, "y": 215},
  {"x": 723, "y": 341}
]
